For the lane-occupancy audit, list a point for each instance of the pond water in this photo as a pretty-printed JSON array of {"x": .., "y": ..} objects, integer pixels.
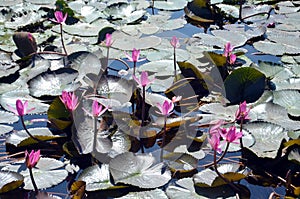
[{"x": 248, "y": 55}]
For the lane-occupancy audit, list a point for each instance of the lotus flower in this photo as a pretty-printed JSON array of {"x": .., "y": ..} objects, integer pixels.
[
  {"x": 134, "y": 56},
  {"x": 228, "y": 49},
  {"x": 59, "y": 17},
  {"x": 216, "y": 128},
  {"x": 242, "y": 112},
  {"x": 144, "y": 80},
  {"x": 175, "y": 42},
  {"x": 21, "y": 109},
  {"x": 70, "y": 100},
  {"x": 166, "y": 108},
  {"x": 231, "y": 135},
  {"x": 98, "y": 109},
  {"x": 214, "y": 141},
  {"x": 108, "y": 40},
  {"x": 32, "y": 158},
  {"x": 232, "y": 59}
]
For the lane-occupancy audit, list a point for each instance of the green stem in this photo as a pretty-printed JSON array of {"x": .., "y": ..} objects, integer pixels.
[
  {"x": 32, "y": 181},
  {"x": 175, "y": 75},
  {"x": 222, "y": 156},
  {"x": 143, "y": 117},
  {"x": 163, "y": 139},
  {"x": 240, "y": 10},
  {"x": 134, "y": 66},
  {"x": 241, "y": 130},
  {"x": 62, "y": 39},
  {"x": 26, "y": 130}
]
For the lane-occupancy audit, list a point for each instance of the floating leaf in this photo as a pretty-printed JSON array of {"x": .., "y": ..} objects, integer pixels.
[
  {"x": 244, "y": 84},
  {"x": 288, "y": 99},
  {"x": 10, "y": 180},
  {"x": 229, "y": 10},
  {"x": 53, "y": 83},
  {"x": 138, "y": 170},
  {"x": 78, "y": 189},
  {"x": 199, "y": 11},
  {"x": 5, "y": 129},
  {"x": 209, "y": 178},
  {"x": 294, "y": 155},
  {"x": 58, "y": 114},
  {"x": 181, "y": 162},
  {"x": 21, "y": 138},
  {"x": 7, "y": 66},
  {"x": 10, "y": 98},
  {"x": 6, "y": 117},
  {"x": 275, "y": 48},
  {"x": 47, "y": 173},
  {"x": 156, "y": 193},
  {"x": 170, "y": 4},
  {"x": 268, "y": 138},
  {"x": 96, "y": 178},
  {"x": 185, "y": 189},
  {"x": 235, "y": 38}
]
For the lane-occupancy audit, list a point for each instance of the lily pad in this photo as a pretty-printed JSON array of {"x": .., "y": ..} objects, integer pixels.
[
  {"x": 47, "y": 173},
  {"x": 156, "y": 193},
  {"x": 5, "y": 129},
  {"x": 10, "y": 180},
  {"x": 6, "y": 117},
  {"x": 7, "y": 66},
  {"x": 244, "y": 84},
  {"x": 96, "y": 178},
  {"x": 21, "y": 138},
  {"x": 268, "y": 138},
  {"x": 138, "y": 170},
  {"x": 275, "y": 48},
  {"x": 170, "y": 4},
  {"x": 53, "y": 83},
  {"x": 288, "y": 99},
  {"x": 235, "y": 38},
  {"x": 209, "y": 178}
]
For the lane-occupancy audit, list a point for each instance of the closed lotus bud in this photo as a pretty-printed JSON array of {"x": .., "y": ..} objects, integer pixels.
[{"x": 25, "y": 43}]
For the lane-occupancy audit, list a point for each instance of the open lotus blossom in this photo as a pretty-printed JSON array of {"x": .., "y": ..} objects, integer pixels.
[
  {"x": 32, "y": 158},
  {"x": 134, "y": 56},
  {"x": 216, "y": 128},
  {"x": 70, "y": 100},
  {"x": 108, "y": 40},
  {"x": 228, "y": 49},
  {"x": 59, "y": 17},
  {"x": 214, "y": 142},
  {"x": 175, "y": 42},
  {"x": 21, "y": 109},
  {"x": 231, "y": 135},
  {"x": 98, "y": 109},
  {"x": 144, "y": 80},
  {"x": 176, "y": 99},
  {"x": 166, "y": 108},
  {"x": 242, "y": 112}
]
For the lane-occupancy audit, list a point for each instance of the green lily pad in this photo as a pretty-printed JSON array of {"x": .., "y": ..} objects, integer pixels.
[
  {"x": 138, "y": 170},
  {"x": 21, "y": 138},
  {"x": 288, "y": 99},
  {"x": 268, "y": 138},
  {"x": 244, "y": 84},
  {"x": 156, "y": 193},
  {"x": 275, "y": 48},
  {"x": 10, "y": 180},
  {"x": 209, "y": 178}
]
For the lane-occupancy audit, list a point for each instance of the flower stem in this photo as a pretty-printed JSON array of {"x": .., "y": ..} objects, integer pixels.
[
  {"x": 163, "y": 139},
  {"x": 25, "y": 128},
  {"x": 175, "y": 75},
  {"x": 234, "y": 188},
  {"x": 62, "y": 39},
  {"x": 241, "y": 129},
  {"x": 32, "y": 181},
  {"x": 222, "y": 156},
  {"x": 143, "y": 117},
  {"x": 134, "y": 66}
]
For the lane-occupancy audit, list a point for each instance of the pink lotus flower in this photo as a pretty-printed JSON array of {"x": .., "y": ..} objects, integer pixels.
[
  {"x": 98, "y": 109},
  {"x": 59, "y": 17},
  {"x": 108, "y": 40},
  {"x": 32, "y": 158},
  {"x": 232, "y": 59},
  {"x": 21, "y": 109},
  {"x": 176, "y": 99},
  {"x": 144, "y": 80},
  {"x": 70, "y": 100},
  {"x": 242, "y": 112},
  {"x": 216, "y": 128},
  {"x": 214, "y": 142},
  {"x": 175, "y": 42},
  {"x": 166, "y": 108},
  {"x": 228, "y": 49},
  {"x": 230, "y": 135},
  {"x": 134, "y": 56}
]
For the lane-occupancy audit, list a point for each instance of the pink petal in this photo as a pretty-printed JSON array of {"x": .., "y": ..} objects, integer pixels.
[{"x": 20, "y": 107}]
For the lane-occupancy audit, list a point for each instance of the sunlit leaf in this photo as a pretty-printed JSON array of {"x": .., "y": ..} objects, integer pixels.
[
  {"x": 10, "y": 180},
  {"x": 138, "y": 170},
  {"x": 288, "y": 99},
  {"x": 6, "y": 117},
  {"x": 5, "y": 129},
  {"x": 156, "y": 193}
]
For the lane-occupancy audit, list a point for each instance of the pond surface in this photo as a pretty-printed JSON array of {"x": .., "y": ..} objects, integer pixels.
[{"x": 111, "y": 161}]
